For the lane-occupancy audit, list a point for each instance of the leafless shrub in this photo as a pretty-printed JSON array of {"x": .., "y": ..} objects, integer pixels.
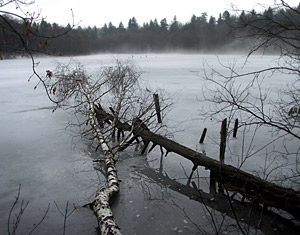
[{"x": 14, "y": 220}]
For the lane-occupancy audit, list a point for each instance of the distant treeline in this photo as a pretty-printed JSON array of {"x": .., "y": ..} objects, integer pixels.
[{"x": 200, "y": 34}]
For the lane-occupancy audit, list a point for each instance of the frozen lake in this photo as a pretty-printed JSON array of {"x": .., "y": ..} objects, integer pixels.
[{"x": 53, "y": 166}]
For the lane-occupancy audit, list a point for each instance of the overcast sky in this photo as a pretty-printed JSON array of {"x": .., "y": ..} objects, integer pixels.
[{"x": 98, "y": 12}]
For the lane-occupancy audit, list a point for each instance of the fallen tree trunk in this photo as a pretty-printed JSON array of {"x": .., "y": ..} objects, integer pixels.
[
  {"x": 229, "y": 177},
  {"x": 104, "y": 213}
]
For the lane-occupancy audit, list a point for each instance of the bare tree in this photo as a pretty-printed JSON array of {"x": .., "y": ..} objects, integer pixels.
[
  {"x": 116, "y": 88},
  {"x": 27, "y": 40},
  {"x": 66, "y": 213},
  {"x": 14, "y": 219},
  {"x": 277, "y": 29}
]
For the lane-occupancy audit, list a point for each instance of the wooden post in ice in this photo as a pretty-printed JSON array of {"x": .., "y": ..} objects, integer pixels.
[
  {"x": 212, "y": 183},
  {"x": 235, "y": 127},
  {"x": 223, "y": 134},
  {"x": 203, "y": 136},
  {"x": 157, "y": 107}
]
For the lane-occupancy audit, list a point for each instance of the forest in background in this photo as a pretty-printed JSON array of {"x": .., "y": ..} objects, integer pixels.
[{"x": 201, "y": 34}]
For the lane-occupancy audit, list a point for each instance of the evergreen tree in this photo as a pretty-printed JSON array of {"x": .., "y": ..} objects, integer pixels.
[
  {"x": 164, "y": 25},
  {"x": 121, "y": 27},
  {"x": 174, "y": 25},
  {"x": 132, "y": 24}
]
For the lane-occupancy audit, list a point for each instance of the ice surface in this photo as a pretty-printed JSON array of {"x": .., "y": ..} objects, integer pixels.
[{"x": 37, "y": 152}]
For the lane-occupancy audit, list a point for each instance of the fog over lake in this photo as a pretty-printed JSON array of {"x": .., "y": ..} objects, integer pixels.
[{"x": 53, "y": 164}]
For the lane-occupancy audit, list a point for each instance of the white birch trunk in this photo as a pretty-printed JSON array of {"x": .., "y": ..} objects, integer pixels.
[{"x": 104, "y": 213}]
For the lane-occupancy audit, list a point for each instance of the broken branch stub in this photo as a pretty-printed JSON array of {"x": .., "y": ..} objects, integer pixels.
[
  {"x": 203, "y": 136},
  {"x": 157, "y": 107},
  {"x": 236, "y": 124},
  {"x": 223, "y": 134}
]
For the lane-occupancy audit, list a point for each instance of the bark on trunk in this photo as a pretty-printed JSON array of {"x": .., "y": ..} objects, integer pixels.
[
  {"x": 104, "y": 213},
  {"x": 231, "y": 178}
]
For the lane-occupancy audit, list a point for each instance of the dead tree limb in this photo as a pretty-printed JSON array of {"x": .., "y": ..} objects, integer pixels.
[{"x": 231, "y": 178}]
